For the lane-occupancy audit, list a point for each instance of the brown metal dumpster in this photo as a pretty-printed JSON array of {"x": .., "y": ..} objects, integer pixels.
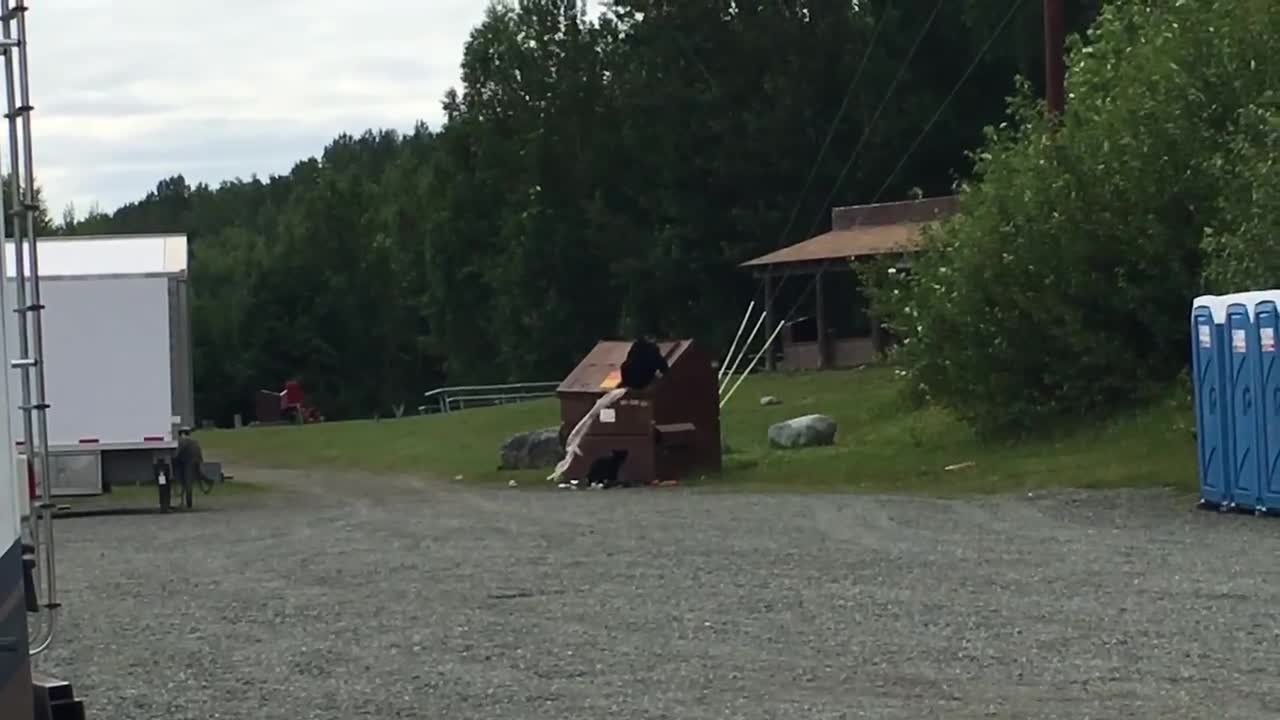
[
  {"x": 266, "y": 407},
  {"x": 669, "y": 430}
]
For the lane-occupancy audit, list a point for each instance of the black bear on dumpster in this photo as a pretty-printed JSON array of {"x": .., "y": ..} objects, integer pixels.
[{"x": 644, "y": 362}]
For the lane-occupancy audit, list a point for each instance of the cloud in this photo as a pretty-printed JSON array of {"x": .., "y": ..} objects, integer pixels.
[{"x": 129, "y": 92}]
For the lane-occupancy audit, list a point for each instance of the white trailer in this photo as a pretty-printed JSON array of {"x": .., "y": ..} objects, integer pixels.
[
  {"x": 117, "y": 356},
  {"x": 15, "y": 669}
]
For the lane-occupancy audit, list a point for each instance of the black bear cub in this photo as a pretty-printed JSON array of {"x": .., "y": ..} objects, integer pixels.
[{"x": 607, "y": 470}]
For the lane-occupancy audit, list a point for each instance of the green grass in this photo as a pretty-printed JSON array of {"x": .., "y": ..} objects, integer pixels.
[
  {"x": 462, "y": 443},
  {"x": 883, "y": 445}
]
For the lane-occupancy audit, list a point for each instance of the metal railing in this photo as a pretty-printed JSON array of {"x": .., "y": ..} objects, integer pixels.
[{"x": 449, "y": 399}]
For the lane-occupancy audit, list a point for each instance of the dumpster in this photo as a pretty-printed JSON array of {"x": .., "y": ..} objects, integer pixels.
[
  {"x": 1267, "y": 320},
  {"x": 266, "y": 407},
  {"x": 1243, "y": 397},
  {"x": 1208, "y": 362},
  {"x": 667, "y": 430}
]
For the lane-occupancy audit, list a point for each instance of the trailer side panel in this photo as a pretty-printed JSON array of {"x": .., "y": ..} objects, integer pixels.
[{"x": 108, "y": 360}]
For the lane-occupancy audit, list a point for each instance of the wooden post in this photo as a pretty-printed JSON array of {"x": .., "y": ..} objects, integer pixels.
[
  {"x": 820, "y": 317},
  {"x": 768, "y": 314}
]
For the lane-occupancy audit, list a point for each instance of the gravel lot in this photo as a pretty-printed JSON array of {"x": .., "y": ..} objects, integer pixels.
[{"x": 350, "y": 597}]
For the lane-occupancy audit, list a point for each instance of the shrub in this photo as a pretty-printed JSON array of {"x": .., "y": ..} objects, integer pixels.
[{"x": 1061, "y": 289}]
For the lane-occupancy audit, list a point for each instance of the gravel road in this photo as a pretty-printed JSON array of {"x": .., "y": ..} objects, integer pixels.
[{"x": 350, "y": 597}]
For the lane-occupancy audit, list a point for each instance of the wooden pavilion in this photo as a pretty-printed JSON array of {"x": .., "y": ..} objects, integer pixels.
[{"x": 843, "y": 333}]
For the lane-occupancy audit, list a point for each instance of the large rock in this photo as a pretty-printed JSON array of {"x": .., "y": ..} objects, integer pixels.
[
  {"x": 807, "y": 431},
  {"x": 534, "y": 450}
]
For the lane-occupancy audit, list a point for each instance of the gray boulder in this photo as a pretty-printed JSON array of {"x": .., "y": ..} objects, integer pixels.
[
  {"x": 807, "y": 431},
  {"x": 534, "y": 450}
]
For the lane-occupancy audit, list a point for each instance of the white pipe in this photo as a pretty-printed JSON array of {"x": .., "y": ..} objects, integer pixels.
[
  {"x": 728, "y": 377},
  {"x": 736, "y": 338},
  {"x": 754, "y": 360}
]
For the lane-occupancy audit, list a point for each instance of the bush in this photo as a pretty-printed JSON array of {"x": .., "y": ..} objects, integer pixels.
[
  {"x": 1062, "y": 288},
  {"x": 1240, "y": 248}
]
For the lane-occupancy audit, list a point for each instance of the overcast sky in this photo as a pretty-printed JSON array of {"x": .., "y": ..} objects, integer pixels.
[{"x": 131, "y": 91}]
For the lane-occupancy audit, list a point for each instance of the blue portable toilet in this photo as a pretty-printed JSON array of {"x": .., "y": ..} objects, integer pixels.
[
  {"x": 1208, "y": 383},
  {"x": 1243, "y": 397},
  {"x": 1267, "y": 319}
]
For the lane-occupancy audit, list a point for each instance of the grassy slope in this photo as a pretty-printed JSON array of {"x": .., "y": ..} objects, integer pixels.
[{"x": 883, "y": 444}]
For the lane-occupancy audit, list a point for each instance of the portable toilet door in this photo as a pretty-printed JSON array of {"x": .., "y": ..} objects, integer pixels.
[
  {"x": 1242, "y": 384},
  {"x": 1208, "y": 383},
  {"x": 1267, "y": 318}
]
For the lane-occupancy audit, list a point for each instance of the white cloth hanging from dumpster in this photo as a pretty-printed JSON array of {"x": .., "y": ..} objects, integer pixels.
[{"x": 571, "y": 445}]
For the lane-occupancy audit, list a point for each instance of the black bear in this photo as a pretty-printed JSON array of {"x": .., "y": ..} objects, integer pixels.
[
  {"x": 605, "y": 471},
  {"x": 644, "y": 362}
]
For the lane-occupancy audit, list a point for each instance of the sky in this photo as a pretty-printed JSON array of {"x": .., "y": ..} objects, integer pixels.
[{"x": 128, "y": 92}]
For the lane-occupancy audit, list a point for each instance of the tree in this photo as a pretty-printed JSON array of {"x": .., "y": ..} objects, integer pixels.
[
  {"x": 1240, "y": 242},
  {"x": 43, "y": 223},
  {"x": 592, "y": 179},
  {"x": 1062, "y": 288},
  {"x": 68, "y": 218}
]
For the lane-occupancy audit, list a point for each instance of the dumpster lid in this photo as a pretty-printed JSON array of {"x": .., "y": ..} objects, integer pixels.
[{"x": 601, "y": 370}]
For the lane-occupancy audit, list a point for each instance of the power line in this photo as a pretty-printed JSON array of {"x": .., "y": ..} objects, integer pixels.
[
  {"x": 871, "y": 125},
  {"x": 866, "y": 134},
  {"x": 835, "y": 125},
  {"x": 1013, "y": 10},
  {"x": 977, "y": 59}
]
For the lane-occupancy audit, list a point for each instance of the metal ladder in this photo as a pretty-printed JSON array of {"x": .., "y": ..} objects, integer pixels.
[{"x": 20, "y": 222}]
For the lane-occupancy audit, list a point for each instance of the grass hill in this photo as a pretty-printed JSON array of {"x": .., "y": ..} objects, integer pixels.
[{"x": 884, "y": 444}]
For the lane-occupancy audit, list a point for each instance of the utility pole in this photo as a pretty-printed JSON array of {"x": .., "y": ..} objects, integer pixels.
[{"x": 1055, "y": 50}]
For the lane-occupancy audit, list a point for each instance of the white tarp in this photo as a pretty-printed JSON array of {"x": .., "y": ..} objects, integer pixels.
[{"x": 81, "y": 256}]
